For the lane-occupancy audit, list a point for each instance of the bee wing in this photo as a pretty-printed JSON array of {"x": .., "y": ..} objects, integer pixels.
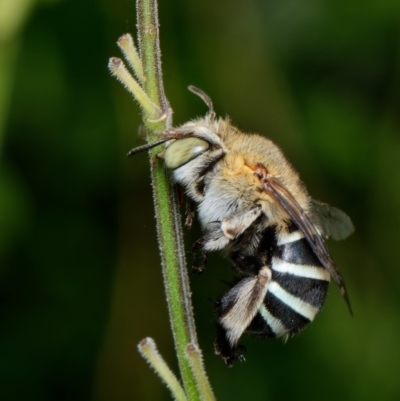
[
  {"x": 286, "y": 200},
  {"x": 333, "y": 222}
]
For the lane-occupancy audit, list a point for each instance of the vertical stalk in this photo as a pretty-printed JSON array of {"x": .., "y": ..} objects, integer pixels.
[
  {"x": 167, "y": 210},
  {"x": 150, "y": 54},
  {"x": 157, "y": 117}
]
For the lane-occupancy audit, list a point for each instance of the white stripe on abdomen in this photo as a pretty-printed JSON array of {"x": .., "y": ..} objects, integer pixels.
[
  {"x": 307, "y": 271},
  {"x": 303, "y": 308}
]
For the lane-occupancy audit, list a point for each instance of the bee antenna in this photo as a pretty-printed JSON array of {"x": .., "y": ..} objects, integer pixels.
[
  {"x": 205, "y": 98},
  {"x": 147, "y": 146}
]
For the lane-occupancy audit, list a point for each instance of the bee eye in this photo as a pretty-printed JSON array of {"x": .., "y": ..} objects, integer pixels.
[{"x": 183, "y": 150}]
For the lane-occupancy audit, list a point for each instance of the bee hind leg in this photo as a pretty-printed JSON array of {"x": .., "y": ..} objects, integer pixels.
[
  {"x": 236, "y": 311},
  {"x": 225, "y": 350}
]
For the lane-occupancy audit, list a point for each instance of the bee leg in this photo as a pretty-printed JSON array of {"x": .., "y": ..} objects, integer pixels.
[
  {"x": 199, "y": 257},
  {"x": 236, "y": 310},
  {"x": 193, "y": 179},
  {"x": 224, "y": 349},
  {"x": 212, "y": 158},
  {"x": 190, "y": 212},
  {"x": 213, "y": 240},
  {"x": 241, "y": 349},
  {"x": 220, "y": 234},
  {"x": 236, "y": 224}
]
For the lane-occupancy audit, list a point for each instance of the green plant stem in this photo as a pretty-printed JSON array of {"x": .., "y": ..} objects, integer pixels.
[
  {"x": 150, "y": 54},
  {"x": 166, "y": 207},
  {"x": 177, "y": 297}
]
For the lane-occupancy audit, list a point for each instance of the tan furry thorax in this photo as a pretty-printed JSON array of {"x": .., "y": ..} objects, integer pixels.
[{"x": 234, "y": 174}]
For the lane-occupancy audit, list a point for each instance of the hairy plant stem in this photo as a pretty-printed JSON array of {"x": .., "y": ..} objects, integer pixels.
[
  {"x": 157, "y": 117},
  {"x": 169, "y": 228}
]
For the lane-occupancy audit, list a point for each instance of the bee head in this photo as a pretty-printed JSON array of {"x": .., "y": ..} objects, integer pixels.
[
  {"x": 186, "y": 142},
  {"x": 181, "y": 151}
]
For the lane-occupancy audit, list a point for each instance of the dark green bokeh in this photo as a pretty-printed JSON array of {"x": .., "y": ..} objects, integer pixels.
[{"x": 80, "y": 281}]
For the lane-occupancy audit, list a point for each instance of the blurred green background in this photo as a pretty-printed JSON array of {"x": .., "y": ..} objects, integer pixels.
[{"x": 80, "y": 281}]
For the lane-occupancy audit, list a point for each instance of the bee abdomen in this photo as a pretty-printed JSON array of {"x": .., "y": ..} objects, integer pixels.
[{"x": 297, "y": 289}]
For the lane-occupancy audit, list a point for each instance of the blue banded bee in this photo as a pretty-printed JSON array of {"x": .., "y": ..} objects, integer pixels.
[{"x": 251, "y": 203}]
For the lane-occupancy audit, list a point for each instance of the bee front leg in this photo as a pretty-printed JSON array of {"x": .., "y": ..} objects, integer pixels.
[
  {"x": 193, "y": 178},
  {"x": 190, "y": 212},
  {"x": 213, "y": 240}
]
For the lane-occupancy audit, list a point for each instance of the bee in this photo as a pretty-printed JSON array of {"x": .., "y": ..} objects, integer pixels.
[{"x": 252, "y": 204}]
